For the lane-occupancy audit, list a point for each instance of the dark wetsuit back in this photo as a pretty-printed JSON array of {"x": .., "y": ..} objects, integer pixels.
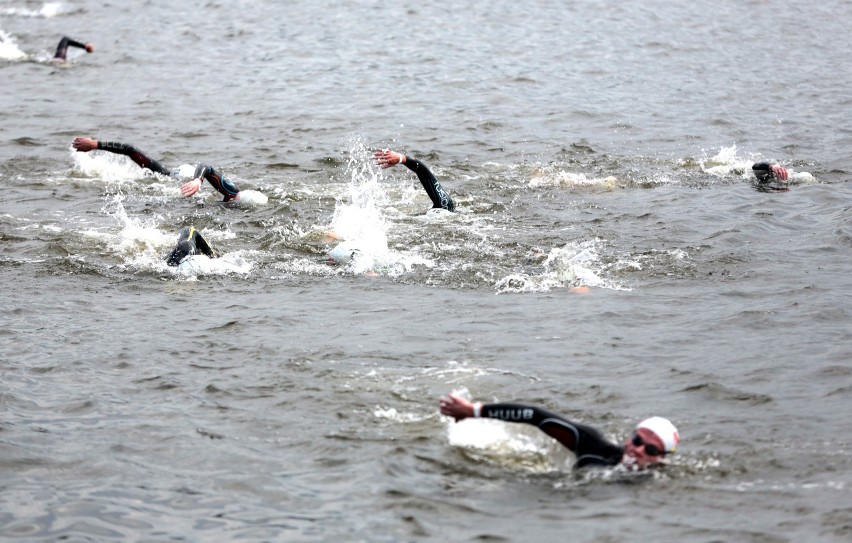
[
  {"x": 189, "y": 243},
  {"x": 211, "y": 174},
  {"x": 440, "y": 198},
  {"x": 587, "y": 443}
]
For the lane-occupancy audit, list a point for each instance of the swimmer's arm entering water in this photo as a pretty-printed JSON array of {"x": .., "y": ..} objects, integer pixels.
[
  {"x": 65, "y": 43},
  {"x": 229, "y": 190}
]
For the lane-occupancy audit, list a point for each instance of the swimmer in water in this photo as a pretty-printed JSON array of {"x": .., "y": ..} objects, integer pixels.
[
  {"x": 189, "y": 243},
  {"x": 767, "y": 174},
  {"x": 440, "y": 198},
  {"x": 652, "y": 440},
  {"x": 64, "y": 44},
  {"x": 347, "y": 251},
  {"x": 195, "y": 174}
]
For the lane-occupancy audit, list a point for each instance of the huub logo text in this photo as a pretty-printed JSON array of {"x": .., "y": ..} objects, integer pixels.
[{"x": 511, "y": 414}]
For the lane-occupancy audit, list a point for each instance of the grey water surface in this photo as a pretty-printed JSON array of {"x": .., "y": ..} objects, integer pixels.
[{"x": 275, "y": 397}]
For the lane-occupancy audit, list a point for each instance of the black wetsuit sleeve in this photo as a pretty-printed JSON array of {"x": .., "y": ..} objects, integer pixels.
[
  {"x": 440, "y": 198},
  {"x": 135, "y": 155},
  {"x": 203, "y": 247},
  {"x": 590, "y": 447},
  {"x": 212, "y": 175},
  {"x": 64, "y": 43}
]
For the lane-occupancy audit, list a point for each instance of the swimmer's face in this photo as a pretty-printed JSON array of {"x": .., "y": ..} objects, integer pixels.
[{"x": 643, "y": 449}]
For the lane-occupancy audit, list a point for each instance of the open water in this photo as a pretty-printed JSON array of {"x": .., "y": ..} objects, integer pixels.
[{"x": 273, "y": 397}]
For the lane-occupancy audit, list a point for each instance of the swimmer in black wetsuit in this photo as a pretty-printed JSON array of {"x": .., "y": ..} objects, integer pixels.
[
  {"x": 65, "y": 43},
  {"x": 440, "y": 198},
  {"x": 189, "y": 243},
  {"x": 767, "y": 174},
  {"x": 200, "y": 171},
  {"x": 651, "y": 441}
]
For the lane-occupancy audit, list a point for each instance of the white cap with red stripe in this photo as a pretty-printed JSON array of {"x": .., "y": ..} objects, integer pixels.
[{"x": 664, "y": 429}]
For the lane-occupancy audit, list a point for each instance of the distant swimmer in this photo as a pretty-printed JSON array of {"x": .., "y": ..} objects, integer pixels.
[
  {"x": 189, "y": 243},
  {"x": 651, "y": 441},
  {"x": 440, "y": 198},
  {"x": 229, "y": 190},
  {"x": 767, "y": 176},
  {"x": 65, "y": 43},
  {"x": 765, "y": 172}
]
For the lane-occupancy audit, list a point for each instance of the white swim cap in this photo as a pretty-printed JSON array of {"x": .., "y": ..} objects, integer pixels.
[
  {"x": 664, "y": 429},
  {"x": 344, "y": 252},
  {"x": 186, "y": 170}
]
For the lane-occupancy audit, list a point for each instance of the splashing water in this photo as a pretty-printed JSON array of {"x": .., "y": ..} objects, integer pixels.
[
  {"x": 570, "y": 266},
  {"x": 8, "y": 48},
  {"x": 47, "y": 10},
  {"x": 359, "y": 220}
]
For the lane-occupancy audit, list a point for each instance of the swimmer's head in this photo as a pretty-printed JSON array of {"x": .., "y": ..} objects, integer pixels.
[
  {"x": 763, "y": 172},
  {"x": 652, "y": 440},
  {"x": 186, "y": 171},
  {"x": 343, "y": 253}
]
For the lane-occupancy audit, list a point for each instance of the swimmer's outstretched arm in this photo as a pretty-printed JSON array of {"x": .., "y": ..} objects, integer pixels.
[
  {"x": 84, "y": 145},
  {"x": 440, "y": 198},
  {"x": 203, "y": 246},
  {"x": 202, "y": 171},
  {"x": 570, "y": 434},
  {"x": 66, "y": 42}
]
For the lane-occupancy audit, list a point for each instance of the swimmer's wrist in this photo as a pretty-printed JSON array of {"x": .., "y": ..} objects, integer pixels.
[
  {"x": 401, "y": 158},
  {"x": 477, "y": 410}
]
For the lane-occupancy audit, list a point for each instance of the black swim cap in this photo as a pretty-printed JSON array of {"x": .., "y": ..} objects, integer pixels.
[{"x": 763, "y": 172}]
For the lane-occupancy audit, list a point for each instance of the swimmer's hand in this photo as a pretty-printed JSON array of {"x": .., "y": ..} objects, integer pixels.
[
  {"x": 780, "y": 172},
  {"x": 456, "y": 407},
  {"x": 387, "y": 158},
  {"x": 191, "y": 187},
  {"x": 90, "y": 47},
  {"x": 84, "y": 145}
]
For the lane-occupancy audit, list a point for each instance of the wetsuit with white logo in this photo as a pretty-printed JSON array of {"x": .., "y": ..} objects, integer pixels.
[
  {"x": 440, "y": 198},
  {"x": 590, "y": 447},
  {"x": 203, "y": 171}
]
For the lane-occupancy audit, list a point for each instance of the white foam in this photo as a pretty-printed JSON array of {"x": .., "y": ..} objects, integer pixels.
[
  {"x": 250, "y": 198},
  {"x": 47, "y": 10},
  {"x": 575, "y": 264},
  {"x": 358, "y": 219},
  {"x": 802, "y": 177},
  {"x": 9, "y": 49},
  {"x": 227, "y": 264},
  {"x": 514, "y": 446},
  {"x": 551, "y": 177}
]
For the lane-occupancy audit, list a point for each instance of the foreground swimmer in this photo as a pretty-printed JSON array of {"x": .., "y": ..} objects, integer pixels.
[
  {"x": 189, "y": 243},
  {"x": 201, "y": 171},
  {"x": 440, "y": 199},
  {"x": 651, "y": 441},
  {"x": 65, "y": 43}
]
